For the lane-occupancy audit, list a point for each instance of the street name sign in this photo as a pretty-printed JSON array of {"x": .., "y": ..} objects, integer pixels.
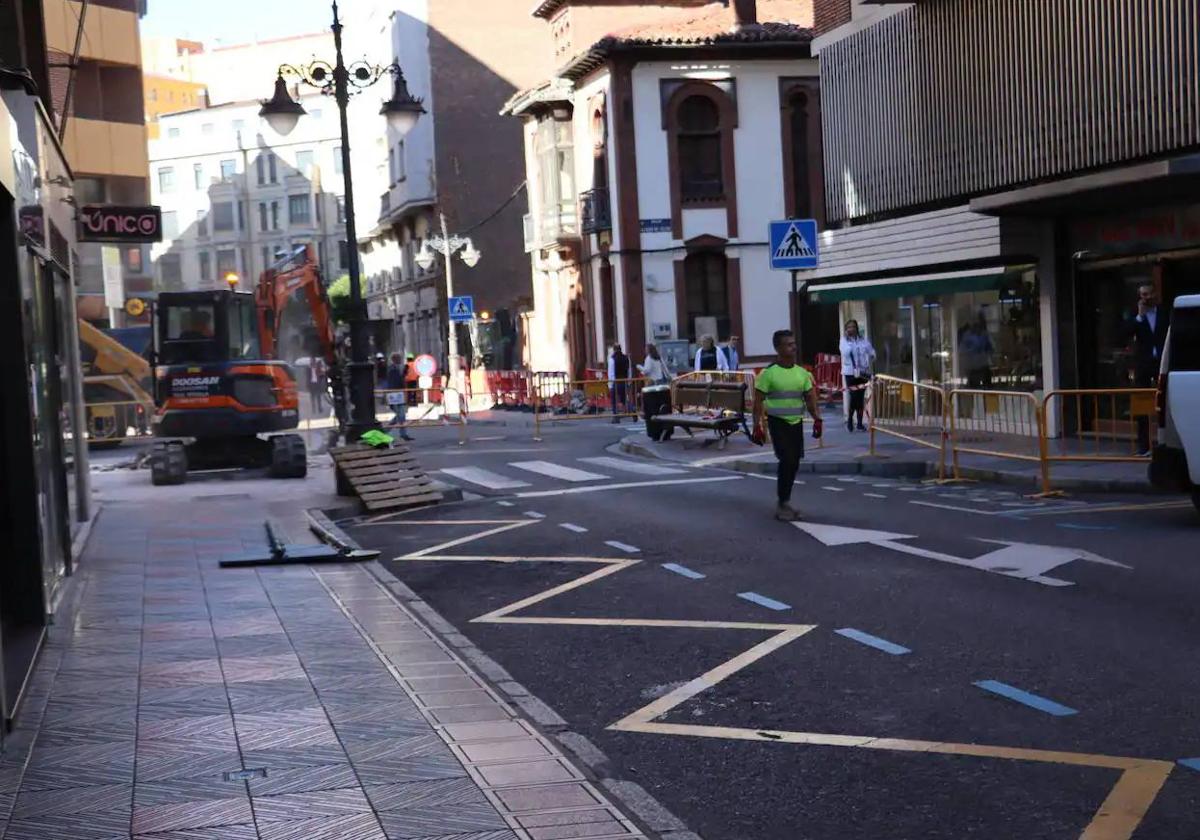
[{"x": 794, "y": 245}]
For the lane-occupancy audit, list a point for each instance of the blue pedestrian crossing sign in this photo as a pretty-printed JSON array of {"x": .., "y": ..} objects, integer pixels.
[
  {"x": 462, "y": 308},
  {"x": 794, "y": 245}
]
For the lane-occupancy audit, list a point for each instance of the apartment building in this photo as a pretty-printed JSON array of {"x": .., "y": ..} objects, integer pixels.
[
  {"x": 1023, "y": 167},
  {"x": 105, "y": 133},
  {"x": 463, "y": 160},
  {"x": 233, "y": 193},
  {"x": 656, "y": 156},
  {"x": 169, "y": 79}
]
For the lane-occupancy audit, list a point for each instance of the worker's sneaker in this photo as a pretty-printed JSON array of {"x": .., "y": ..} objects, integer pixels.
[{"x": 786, "y": 513}]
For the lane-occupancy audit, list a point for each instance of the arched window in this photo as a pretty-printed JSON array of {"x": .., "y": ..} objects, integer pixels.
[
  {"x": 698, "y": 135},
  {"x": 804, "y": 181},
  {"x": 801, "y": 186}
]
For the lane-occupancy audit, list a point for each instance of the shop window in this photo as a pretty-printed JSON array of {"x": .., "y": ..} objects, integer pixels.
[
  {"x": 699, "y": 144},
  {"x": 707, "y": 292}
]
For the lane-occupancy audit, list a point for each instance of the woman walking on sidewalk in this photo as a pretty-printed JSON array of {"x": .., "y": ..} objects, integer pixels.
[
  {"x": 654, "y": 368},
  {"x": 857, "y": 357}
]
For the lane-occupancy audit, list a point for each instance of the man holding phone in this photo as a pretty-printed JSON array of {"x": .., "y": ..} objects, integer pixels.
[{"x": 781, "y": 392}]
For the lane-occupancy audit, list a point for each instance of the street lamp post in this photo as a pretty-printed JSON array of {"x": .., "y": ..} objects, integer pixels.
[
  {"x": 402, "y": 110},
  {"x": 448, "y": 246}
]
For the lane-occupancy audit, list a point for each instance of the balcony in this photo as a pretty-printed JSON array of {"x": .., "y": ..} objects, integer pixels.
[
  {"x": 559, "y": 224},
  {"x": 595, "y": 213}
]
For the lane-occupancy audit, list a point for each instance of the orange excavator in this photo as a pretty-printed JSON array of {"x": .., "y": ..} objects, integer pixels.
[{"x": 222, "y": 396}]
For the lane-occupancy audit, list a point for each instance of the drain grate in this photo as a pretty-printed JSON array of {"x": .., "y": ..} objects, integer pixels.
[{"x": 244, "y": 775}]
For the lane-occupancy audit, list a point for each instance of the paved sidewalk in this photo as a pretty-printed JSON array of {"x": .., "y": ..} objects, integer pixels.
[{"x": 176, "y": 699}]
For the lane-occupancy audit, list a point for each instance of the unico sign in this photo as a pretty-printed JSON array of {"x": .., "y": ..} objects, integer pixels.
[{"x": 106, "y": 223}]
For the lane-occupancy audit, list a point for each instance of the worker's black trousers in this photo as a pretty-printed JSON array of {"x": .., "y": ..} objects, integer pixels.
[{"x": 788, "y": 440}]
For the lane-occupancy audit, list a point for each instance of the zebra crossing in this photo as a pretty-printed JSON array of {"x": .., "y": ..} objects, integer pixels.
[{"x": 523, "y": 471}]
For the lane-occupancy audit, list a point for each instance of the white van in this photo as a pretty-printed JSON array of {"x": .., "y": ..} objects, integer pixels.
[{"x": 1175, "y": 464}]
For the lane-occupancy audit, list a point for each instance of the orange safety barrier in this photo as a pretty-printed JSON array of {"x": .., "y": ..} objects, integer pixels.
[
  {"x": 827, "y": 372},
  {"x": 557, "y": 397}
]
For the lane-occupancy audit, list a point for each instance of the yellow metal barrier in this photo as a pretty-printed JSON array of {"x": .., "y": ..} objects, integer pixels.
[
  {"x": 910, "y": 411},
  {"x": 998, "y": 424},
  {"x": 584, "y": 399},
  {"x": 1096, "y": 424}
]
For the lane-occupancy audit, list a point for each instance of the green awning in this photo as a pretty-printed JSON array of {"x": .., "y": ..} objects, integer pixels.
[{"x": 912, "y": 285}]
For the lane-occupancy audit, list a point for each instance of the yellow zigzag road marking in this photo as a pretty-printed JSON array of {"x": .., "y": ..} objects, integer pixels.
[{"x": 1118, "y": 817}]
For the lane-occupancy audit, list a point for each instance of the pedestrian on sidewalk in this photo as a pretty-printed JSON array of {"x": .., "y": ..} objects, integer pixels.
[
  {"x": 1148, "y": 331},
  {"x": 412, "y": 379},
  {"x": 732, "y": 360},
  {"x": 709, "y": 357},
  {"x": 781, "y": 392},
  {"x": 396, "y": 398},
  {"x": 318, "y": 384},
  {"x": 618, "y": 381},
  {"x": 857, "y": 357},
  {"x": 654, "y": 368}
]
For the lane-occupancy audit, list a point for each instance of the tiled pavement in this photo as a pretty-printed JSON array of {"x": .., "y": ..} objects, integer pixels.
[{"x": 176, "y": 700}]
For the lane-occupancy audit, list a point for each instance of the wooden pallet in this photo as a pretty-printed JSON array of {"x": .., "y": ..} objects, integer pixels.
[{"x": 385, "y": 479}]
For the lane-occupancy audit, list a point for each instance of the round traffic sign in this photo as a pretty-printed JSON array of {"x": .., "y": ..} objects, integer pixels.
[
  {"x": 425, "y": 364},
  {"x": 135, "y": 307}
]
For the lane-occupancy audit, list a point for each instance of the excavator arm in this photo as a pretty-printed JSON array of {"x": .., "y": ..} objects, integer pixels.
[{"x": 277, "y": 285}]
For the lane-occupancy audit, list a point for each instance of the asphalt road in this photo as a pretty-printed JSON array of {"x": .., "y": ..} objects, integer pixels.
[{"x": 1096, "y": 622}]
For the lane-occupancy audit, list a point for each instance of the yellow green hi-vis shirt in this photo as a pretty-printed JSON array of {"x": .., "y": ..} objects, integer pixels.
[{"x": 783, "y": 391}]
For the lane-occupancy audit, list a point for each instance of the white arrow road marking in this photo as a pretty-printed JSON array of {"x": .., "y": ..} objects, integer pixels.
[
  {"x": 840, "y": 535},
  {"x": 1020, "y": 560}
]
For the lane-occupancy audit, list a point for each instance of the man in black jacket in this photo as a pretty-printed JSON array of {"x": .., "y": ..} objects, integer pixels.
[{"x": 1148, "y": 330}]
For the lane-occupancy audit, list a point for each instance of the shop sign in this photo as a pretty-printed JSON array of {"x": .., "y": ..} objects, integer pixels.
[
  {"x": 1162, "y": 229},
  {"x": 106, "y": 223}
]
